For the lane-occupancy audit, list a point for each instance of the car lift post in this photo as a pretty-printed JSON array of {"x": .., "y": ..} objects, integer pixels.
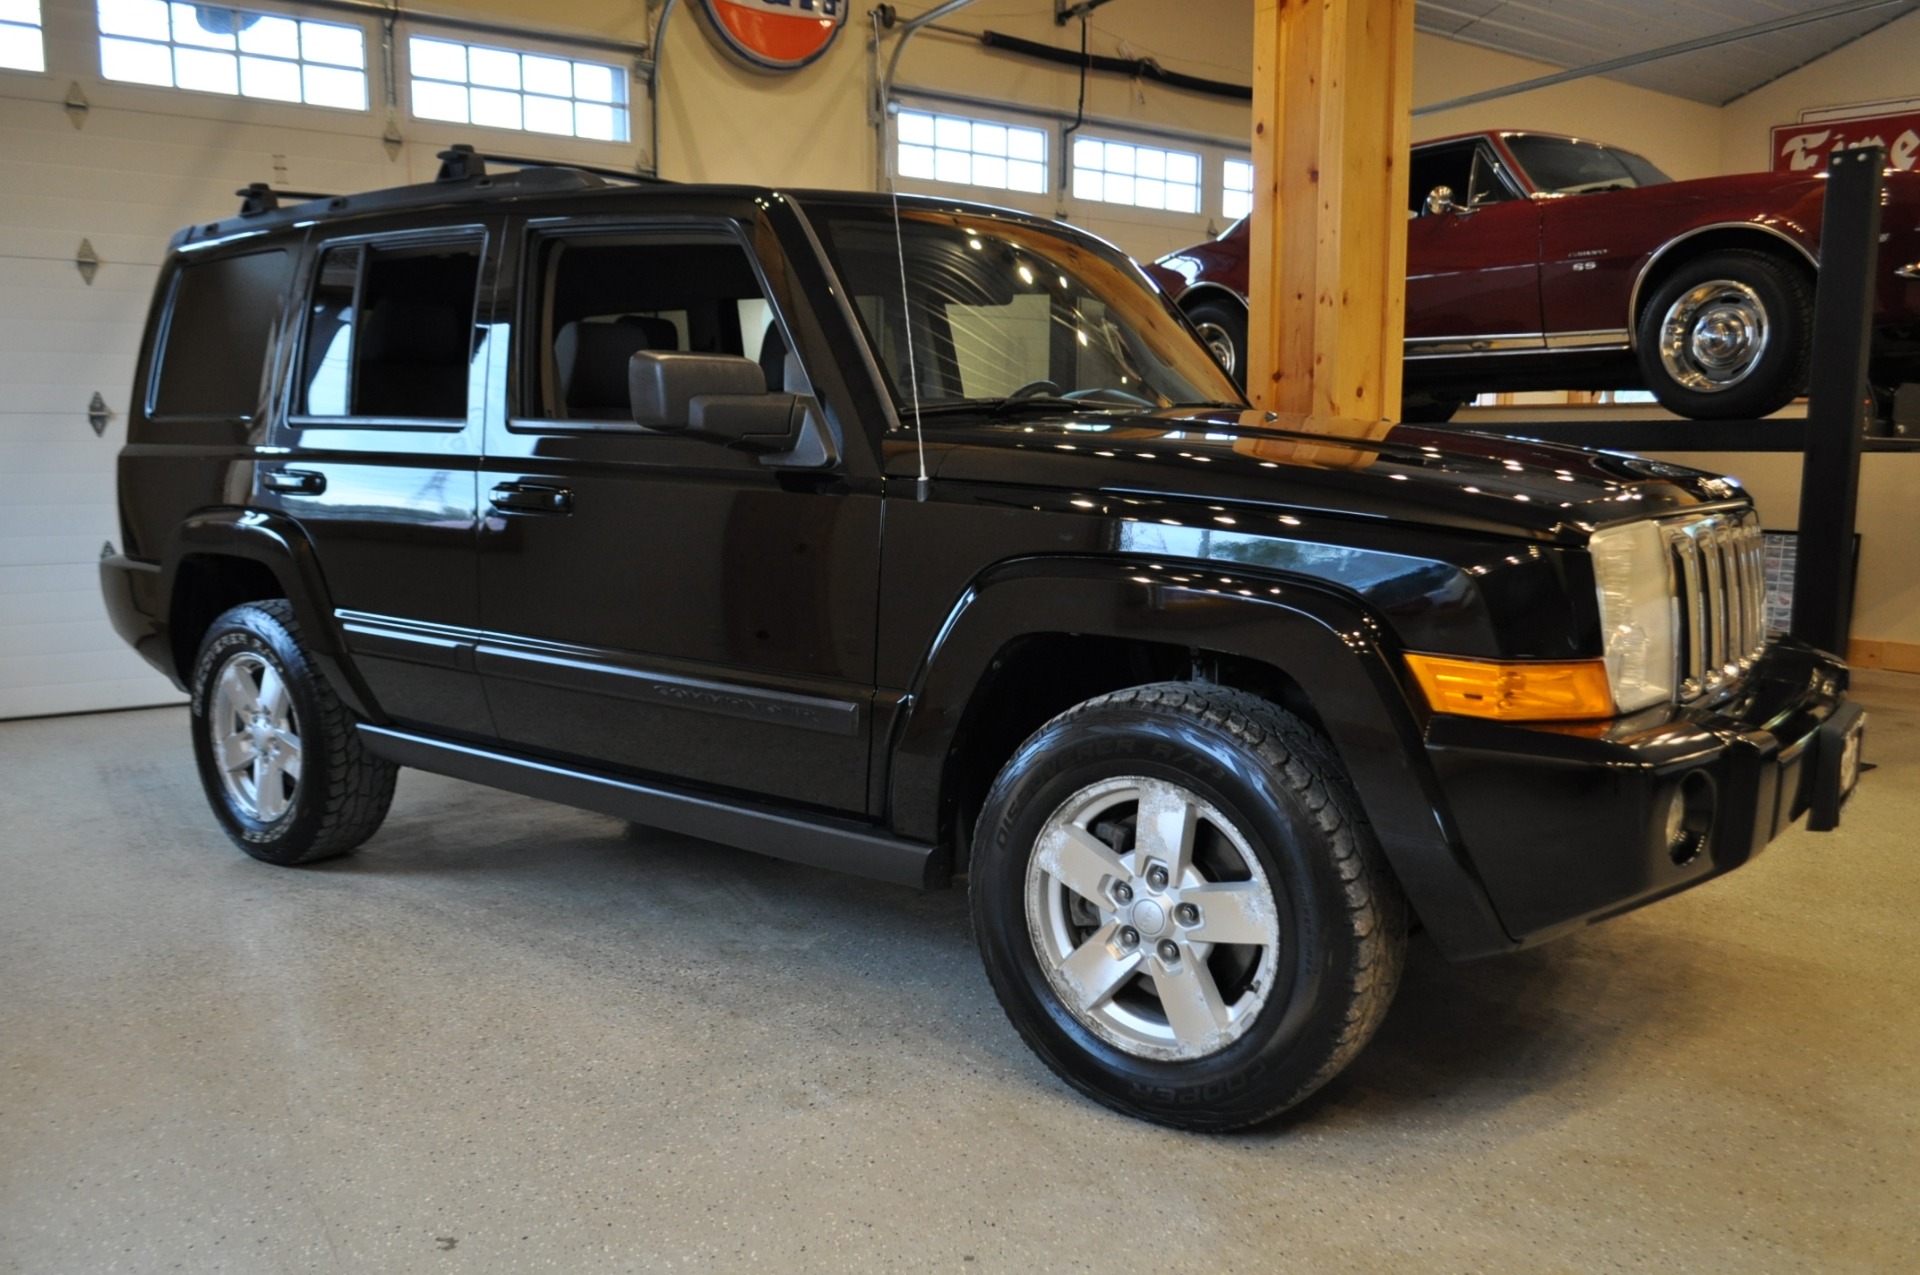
[{"x": 1838, "y": 398}]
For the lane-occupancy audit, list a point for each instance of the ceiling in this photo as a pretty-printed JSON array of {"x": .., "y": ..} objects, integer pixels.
[{"x": 1577, "y": 33}]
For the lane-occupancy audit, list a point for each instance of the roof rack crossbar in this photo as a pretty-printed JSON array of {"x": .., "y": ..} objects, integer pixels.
[
  {"x": 461, "y": 161},
  {"x": 259, "y": 197}
]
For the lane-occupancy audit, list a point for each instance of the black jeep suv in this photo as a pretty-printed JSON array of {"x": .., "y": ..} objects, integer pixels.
[{"x": 925, "y": 540}]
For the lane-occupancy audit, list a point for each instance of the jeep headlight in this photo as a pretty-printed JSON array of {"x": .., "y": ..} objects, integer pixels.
[{"x": 1634, "y": 580}]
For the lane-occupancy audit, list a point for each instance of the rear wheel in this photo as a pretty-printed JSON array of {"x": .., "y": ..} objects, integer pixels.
[
  {"x": 1181, "y": 907},
  {"x": 282, "y": 765},
  {"x": 1728, "y": 336}
]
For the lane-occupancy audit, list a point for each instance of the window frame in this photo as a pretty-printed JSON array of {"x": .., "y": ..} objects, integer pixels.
[
  {"x": 1199, "y": 187},
  {"x": 291, "y": 12},
  {"x": 264, "y": 395},
  {"x": 39, "y": 27},
  {"x": 481, "y": 233},
  {"x": 531, "y": 375},
  {"x": 421, "y": 27},
  {"x": 1047, "y": 138}
]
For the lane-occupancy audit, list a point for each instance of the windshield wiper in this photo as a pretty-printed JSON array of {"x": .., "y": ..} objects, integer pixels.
[{"x": 1019, "y": 405}]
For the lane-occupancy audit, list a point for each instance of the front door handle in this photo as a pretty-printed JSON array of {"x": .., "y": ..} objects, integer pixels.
[
  {"x": 303, "y": 482},
  {"x": 531, "y": 498}
]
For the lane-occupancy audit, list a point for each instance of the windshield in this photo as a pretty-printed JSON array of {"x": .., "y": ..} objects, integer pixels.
[
  {"x": 1562, "y": 166},
  {"x": 1004, "y": 309}
]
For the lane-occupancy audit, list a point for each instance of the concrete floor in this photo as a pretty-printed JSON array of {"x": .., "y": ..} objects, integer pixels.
[{"x": 507, "y": 1036}]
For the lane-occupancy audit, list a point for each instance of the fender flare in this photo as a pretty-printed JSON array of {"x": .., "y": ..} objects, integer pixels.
[
  {"x": 1759, "y": 229},
  {"x": 1206, "y": 291},
  {"x": 1327, "y": 643},
  {"x": 277, "y": 543}
]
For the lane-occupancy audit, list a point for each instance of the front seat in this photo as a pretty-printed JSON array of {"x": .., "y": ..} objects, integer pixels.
[{"x": 590, "y": 361}]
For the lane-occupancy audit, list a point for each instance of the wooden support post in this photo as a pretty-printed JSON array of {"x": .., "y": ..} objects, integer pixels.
[{"x": 1332, "y": 101}]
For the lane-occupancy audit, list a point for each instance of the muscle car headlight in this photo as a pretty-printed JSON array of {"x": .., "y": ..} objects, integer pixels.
[{"x": 1634, "y": 580}]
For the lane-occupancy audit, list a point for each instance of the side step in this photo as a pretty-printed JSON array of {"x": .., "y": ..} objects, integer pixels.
[{"x": 842, "y": 845}]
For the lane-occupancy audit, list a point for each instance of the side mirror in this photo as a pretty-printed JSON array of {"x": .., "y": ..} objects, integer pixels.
[
  {"x": 1440, "y": 200},
  {"x": 723, "y": 398}
]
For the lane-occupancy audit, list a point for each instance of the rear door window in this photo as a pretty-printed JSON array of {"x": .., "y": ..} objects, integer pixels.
[
  {"x": 390, "y": 332},
  {"x": 220, "y": 320}
]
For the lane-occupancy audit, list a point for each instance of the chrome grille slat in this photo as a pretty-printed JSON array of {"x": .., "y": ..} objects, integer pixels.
[{"x": 1719, "y": 576}]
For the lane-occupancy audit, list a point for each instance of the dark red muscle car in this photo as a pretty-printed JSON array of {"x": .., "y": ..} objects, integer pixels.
[{"x": 1543, "y": 262}]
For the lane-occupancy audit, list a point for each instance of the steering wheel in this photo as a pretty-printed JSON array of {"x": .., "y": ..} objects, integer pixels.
[{"x": 1035, "y": 387}]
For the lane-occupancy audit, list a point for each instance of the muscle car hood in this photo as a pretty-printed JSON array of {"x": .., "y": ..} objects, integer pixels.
[{"x": 1483, "y": 483}]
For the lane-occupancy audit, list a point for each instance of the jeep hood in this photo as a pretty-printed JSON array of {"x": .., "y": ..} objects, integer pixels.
[{"x": 1441, "y": 477}]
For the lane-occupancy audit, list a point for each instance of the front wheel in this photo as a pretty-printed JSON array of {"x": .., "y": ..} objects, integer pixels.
[
  {"x": 1182, "y": 908},
  {"x": 1728, "y": 336},
  {"x": 279, "y": 757}
]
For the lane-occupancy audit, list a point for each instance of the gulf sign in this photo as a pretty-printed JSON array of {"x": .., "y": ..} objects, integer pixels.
[
  {"x": 1804, "y": 148},
  {"x": 777, "y": 35}
]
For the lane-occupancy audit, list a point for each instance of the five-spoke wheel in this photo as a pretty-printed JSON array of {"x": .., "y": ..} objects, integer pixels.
[
  {"x": 1181, "y": 906},
  {"x": 278, "y": 753},
  {"x": 1160, "y": 935},
  {"x": 255, "y": 737}
]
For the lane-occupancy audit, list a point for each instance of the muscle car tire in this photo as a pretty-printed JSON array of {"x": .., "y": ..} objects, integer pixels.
[
  {"x": 1222, "y": 325},
  {"x": 283, "y": 768},
  {"x": 1181, "y": 906},
  {"x": 1728, "y": 336}
]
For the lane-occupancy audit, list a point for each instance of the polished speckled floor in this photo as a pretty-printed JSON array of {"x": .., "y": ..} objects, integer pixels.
[{"x": 507, "y": 1036}]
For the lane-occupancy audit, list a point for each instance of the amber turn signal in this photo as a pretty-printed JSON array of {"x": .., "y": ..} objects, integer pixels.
[{"x": 1515, "y": 690}]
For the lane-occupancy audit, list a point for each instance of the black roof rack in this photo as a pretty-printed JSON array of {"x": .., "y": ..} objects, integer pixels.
[
  {"x": 461, "y": 161},
  {"x": 463, "y": 175}
]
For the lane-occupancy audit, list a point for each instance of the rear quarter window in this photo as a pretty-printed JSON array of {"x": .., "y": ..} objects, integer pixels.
[{"x": 221, "y": 315}]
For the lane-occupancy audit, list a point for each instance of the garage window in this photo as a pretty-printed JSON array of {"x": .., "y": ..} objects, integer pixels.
[
  {"x": 1143, "y": 176},
  {"x": 214, "y": 351},
  {"x": 1236, "y": 189},
  {"x": 970, "y": 152},
  {"x": 233, "y": 51},
  {"x": 21, "y": 48},
  {"x": 527, "y": 92}
]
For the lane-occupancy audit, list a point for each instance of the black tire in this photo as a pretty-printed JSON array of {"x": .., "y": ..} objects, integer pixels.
[
  {"x": 1728, "y": 336},
  {"x": 1222, "y": 325},
  {"x": 341, "y": 792},
  {"x": 1295, "y": 1005}
]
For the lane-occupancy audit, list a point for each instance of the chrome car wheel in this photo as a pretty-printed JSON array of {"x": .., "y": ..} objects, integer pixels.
[
  {"x": 1220, "y": 342},
  {"x": 1153, "y": 920},
  {"x": 1713, "y": 335},
  {"x": 255, "y": 737}
]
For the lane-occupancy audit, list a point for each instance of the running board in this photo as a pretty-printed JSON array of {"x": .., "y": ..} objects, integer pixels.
[{"x": 843, "y": 846}]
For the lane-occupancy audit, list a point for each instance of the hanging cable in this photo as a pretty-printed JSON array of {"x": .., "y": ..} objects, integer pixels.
[{"x": 1079, "y": 115}]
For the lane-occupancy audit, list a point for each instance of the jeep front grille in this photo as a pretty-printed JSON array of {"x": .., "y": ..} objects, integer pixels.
[{"x": 1720, "y": 598}]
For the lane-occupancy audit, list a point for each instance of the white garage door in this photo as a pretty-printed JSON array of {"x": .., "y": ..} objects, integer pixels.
[{"x": 142, "y": 162}]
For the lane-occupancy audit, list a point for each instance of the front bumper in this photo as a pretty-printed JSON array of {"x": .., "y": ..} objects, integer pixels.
[{"x": 1568, "y": 825}]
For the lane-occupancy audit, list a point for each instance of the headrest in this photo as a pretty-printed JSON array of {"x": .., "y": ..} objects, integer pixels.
[{"x": 591, "y": 361}]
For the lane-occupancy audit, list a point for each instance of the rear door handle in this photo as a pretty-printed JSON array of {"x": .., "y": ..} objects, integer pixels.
[
  {"x": 304, "y": 482},
  {"x": 531, "y": 498}
]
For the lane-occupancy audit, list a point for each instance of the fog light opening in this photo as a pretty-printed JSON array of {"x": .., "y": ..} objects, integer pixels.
[{"x": 1690, "y": 818}]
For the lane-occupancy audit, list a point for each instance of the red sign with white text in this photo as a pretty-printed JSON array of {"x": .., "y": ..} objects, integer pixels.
[
  {"x": 1804, "y": 148},
  {"x": 777, "y": 35}
]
